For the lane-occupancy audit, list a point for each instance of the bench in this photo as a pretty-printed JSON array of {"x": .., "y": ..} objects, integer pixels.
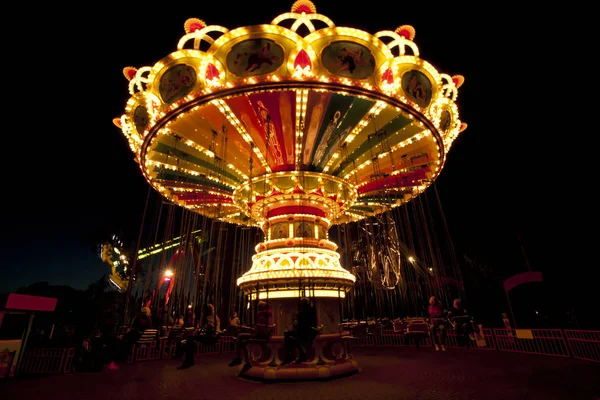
[{"x": 144, "y": 348}]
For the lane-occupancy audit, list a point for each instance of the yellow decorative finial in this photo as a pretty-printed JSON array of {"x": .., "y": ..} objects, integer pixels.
[
  {"x": 458, "y": 80},
  {"x": 193, "y": 24},
  {"x": 129, "y": 72},
  {"x": 304, "y": 6},
  {"x": 406, "y": 31}
]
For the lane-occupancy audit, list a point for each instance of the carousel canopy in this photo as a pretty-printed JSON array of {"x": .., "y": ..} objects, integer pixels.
[{"x": 235, "y": 124}]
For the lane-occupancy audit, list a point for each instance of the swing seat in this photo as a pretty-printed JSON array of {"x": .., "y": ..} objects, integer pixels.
[
  {"x": 262, "y": 338},
  {"x": 208, "y": 337}
]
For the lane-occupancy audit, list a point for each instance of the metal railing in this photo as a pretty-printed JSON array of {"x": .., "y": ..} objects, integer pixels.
[
  {"x": 6, "y": 363},
  {"x": 47, "y": 361},
  {"x": 579, "y": 344},
  {"x": 549, "y": 342},
  {"x": 584, "y": 345}
]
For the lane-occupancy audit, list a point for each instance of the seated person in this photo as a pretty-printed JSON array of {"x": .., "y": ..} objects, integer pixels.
[
  {"x": 262, "y": 330},
  {"x": 119, "y": 350},
  {"x": 234, "y": 320},
  {"x": 212, "y": 323},
  {"x": 304, "y": 332},
  {"x": 234, "y": 323},
  {"x": 462, "y": 323}
]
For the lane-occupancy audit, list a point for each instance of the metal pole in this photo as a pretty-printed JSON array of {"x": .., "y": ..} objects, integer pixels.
[
  {"x": 24, "y": 343},
  {"x": 512, "y": 314},
  {"x": 135, "y": 258}
]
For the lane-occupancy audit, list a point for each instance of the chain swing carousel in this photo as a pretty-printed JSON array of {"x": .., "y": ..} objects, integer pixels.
[{"x": 294, "y": 127}]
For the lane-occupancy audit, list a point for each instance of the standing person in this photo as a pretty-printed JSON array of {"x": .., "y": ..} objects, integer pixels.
[{"x": 436, "y": 323}]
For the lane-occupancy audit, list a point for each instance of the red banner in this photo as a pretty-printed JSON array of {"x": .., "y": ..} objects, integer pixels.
[{"x": 524, "y": 277}]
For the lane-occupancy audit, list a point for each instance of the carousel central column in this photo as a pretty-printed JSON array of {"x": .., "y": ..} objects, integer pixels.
[{"x": 297, "y": 259}]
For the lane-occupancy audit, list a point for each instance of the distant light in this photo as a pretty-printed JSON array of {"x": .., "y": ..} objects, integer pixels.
[
  {"x": 430, "y": 269},
  {"x": 411, "y": 259},
  {"x": 537, "y": 312},
  {"x": 190, "y": 306},
  {"x": 168, "y": 273}
]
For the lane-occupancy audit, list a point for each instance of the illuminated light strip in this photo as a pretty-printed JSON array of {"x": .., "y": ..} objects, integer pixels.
[
  {"x": 197, "y": 190},
  {"x": 300, "y": 216},
  {"x": 115, "y": 284},
  {"x": 199, "y": 35},
  {"x": 301, "y": 100},
  {"x": 139, "y": 80},
  {"x": 295, "y": 274},
  {"x": 157, "y": 251},
  {"x": 186, "y": 171},
  {"x": 434, "y": 114},
  {"x": 397, "y": 147},
  {"x": 303, "y": 19},
  {"x": 286, "y": 294},
  {"x": 299, "y": 251},
  {"x": 302, "y": 240},
  {"x": 350, "y": 32},
  {"x": 399, "y": 41},
  {"x": 237, "y": 171},
  {"x": 244, "y": 31},
  {"x": 228, "y": 113},
  {"x": 172, "y": 167},
  {"x": 373, "y": 112},
  {"x": 449, "y": 89}
]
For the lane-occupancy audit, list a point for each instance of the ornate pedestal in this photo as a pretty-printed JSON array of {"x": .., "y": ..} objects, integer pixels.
[{"x": 327, "y": 359}]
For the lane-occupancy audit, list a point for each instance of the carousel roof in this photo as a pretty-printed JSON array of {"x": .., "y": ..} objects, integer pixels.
[{"x": 354, "y": 122}]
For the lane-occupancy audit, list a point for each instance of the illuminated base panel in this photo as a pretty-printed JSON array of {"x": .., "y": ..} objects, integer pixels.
[
  {"x": 295, "y": 272},
  {"x": 282, "y": 275}
]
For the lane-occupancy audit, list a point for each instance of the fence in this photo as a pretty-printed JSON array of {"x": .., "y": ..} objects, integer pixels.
[
  {"x": 584, "y": 345},
  {"x": 6, "y": 362},
  {"x": 550, "y": 342},
  {"x": 579, "y": 344},
  {"x": 389, "y": 338},
  {"x": 47, "y": 361}
]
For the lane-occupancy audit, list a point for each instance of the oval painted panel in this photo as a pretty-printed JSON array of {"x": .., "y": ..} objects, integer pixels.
[
  {"x": 417, "y": 87},
  {"x": 177, "y": 83},
  {"x": 445, "y": 120},
  {"x": 255, "y": 57},
  {"x": 141, "y": 119},
  {"x": 348, "y": 59}
]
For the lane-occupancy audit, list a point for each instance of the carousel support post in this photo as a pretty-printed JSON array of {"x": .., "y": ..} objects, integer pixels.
[
  {"x": 134, "y": 263},
  {"x": 512, "y": 314}
]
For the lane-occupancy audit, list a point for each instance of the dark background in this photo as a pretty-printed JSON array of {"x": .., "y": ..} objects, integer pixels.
[{"x": 521, "y": 167}]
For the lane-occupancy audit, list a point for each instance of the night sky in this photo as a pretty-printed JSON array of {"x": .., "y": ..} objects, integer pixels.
[{"x": 72, "y": 179}]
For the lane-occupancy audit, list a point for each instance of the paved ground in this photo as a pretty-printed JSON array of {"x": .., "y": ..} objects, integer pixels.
[{"x": 398, "y": 373}]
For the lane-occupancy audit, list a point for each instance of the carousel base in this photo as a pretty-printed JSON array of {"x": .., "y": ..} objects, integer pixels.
[{"x": 327, "y": 358}]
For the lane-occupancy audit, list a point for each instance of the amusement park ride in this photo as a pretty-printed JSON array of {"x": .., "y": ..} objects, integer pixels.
[
  {"x": 293, "y": 127},
  {"x": 112, "y": 254}
]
